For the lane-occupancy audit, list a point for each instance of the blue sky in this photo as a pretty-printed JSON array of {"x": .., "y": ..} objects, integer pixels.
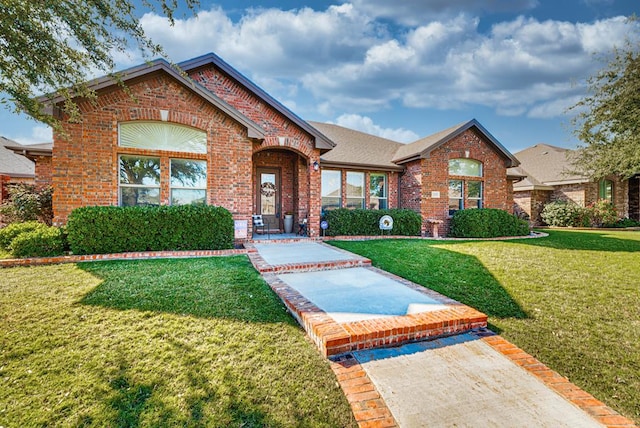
[{"x": 402, "y": 69}]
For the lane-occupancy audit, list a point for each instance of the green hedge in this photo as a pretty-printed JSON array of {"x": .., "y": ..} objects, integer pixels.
[
  {"x": 366, "y": 222},
  {"x": 486, "y": 223},
  {"x": 98, "y": 230},
  {"x": 41, "y": 242},
  {"x": 8, "y": 233}
]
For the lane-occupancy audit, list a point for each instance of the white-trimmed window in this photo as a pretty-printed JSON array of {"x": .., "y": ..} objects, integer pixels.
[
  {"x": 465, "y": 167},
  {"x": 456, "y": 196},
  {"x": 474, "y": 194},
  {"x": 355, "y": 190},
  {"x": 331, "y": 189},
  {"x": 188, "y": 181},
  {"x": 378, "y": 191},
  {"x": 139, "y": 180},
  {"x": 463, "y": 192}
]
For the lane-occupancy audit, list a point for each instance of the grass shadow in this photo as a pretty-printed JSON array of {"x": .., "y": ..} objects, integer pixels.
[
  {"x": 459, "y": 276},
  {"x": 589, "y": 240},
  {"x": 223, "y": 287}
]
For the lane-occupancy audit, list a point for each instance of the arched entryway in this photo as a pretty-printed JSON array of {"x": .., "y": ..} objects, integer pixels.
[{"x": 280, "y": 187}]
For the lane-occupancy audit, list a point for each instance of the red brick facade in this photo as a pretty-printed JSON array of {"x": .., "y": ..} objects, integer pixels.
[
  {"x": 425, "y": 182},
  {"x": 531, "y": 202},
  {"x": 85, "y": 164}
]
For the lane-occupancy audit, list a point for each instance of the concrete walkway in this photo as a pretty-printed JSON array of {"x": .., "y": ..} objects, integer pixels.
[{"x": 470, "y": 378}]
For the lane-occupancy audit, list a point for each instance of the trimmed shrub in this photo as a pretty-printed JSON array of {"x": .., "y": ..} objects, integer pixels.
[
  {"x": 486, "y": 223},
  {"x": 41, "y": 242},
  {"x": 99, "y": 230},
  {"x": 564, "y": 214},
  {"x": 623, "y": 222},
  {"x": 8, "y": 233},
  {"x": 366, "y": 222}
]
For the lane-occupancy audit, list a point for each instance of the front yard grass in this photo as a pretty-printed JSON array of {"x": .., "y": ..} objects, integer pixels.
[
  {"x": 572, "y": 300},
  {"x": 187, "y": 342}
]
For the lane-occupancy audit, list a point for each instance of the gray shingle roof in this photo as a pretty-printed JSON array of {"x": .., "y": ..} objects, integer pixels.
[
  {"x": 13, "y": 164},
  {"x": 545, "y": 165},
  {"x": 421, "y": 148},
  {"x": 355, "y": 148}
]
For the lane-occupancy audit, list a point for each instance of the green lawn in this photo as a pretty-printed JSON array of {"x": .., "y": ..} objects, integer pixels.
[
  {"x": 199, "y": 342},
  {"x": 572, "y": 300}
]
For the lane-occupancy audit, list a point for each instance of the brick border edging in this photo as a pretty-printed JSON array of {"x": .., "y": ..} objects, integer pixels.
[
  {"x": 138, "y": 255},
  {"x": 561, "y": 385},
  {"x": 368, "y": 407},
  {"x": 428, "y": 238}
]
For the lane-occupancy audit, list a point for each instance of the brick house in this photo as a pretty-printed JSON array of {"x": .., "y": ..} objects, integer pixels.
[
  {"x": 214, "y": 136},
  {"x": 547, "y": 179}
]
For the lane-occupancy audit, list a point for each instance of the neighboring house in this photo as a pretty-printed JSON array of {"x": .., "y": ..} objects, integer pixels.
[
  {"x": 547, "y": 179},
  {"x": 14, "y": 168},
  {"x": 217, "y": 137}
]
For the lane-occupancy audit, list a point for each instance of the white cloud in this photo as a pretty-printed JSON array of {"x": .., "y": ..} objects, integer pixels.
[
  {"x": 365, "y": 124},
  {"x": 345, "y": 59},
  {"x": 39, "y": 134},
  {"x": 514, "y": 68},
  {"x": 415, "y": 12}
]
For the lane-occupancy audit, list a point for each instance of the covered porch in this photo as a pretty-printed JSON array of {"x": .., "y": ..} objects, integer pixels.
[{"x": 281, "y": 182}]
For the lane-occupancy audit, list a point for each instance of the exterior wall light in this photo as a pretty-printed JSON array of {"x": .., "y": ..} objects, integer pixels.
[{"x": 316, "y": 166}]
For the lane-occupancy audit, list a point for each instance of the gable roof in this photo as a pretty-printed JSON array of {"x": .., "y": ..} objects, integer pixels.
[
  {"x": 321, "y": 141},
  {"x": 355, "y": 148},
  {"x": 545, "y": 165},
  {"x": 12, "y": 164},
  {"x": 254, "y": 131},
  {"x": 421, "y": 148}
]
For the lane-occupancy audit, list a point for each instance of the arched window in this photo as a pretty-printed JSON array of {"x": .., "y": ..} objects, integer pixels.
[
  {"x": 465, "y": 192},
  {"x": 162, "y": 136},
  {"x": 605, "y": 190},
  {"x": 465, "y": 167}
]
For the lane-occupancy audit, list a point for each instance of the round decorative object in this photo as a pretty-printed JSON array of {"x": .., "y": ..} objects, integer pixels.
[
  {"x": 386, "y": 222},
  {"x": 324, "y": 225},
  {"x": 268, "y": 189}
]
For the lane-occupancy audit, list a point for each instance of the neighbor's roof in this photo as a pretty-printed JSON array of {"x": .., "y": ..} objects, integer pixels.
[
  {"x": 422, "y": 148},
  {"x": 13, "y": 164},
  {"x": 321, "y": 141},
  {"x": 545, "y": 166},
  {"x": 254, "y": 131},
  {"x": 355, "y": 148},
  {"x": 43, "y": 149}
]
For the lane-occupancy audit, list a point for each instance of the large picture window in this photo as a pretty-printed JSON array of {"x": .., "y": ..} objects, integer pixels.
[
  {"x": 355, "y": 190},
  {"x": 331, "y": 189},
  {"x": 377, "y": 191},
  {"x": 188, "y": 181},
  {"x": 139, "y": 180}
]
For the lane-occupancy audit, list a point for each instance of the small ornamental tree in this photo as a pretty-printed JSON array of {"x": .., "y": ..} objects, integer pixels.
[{"x": 28, "y": 203}]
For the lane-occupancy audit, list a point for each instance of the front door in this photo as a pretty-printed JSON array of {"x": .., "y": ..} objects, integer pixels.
[{"x": 269, "y": 196}]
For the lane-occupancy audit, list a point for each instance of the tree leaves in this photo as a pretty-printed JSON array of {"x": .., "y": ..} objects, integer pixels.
[
  {"x": 608, "y": 122},
  {"x": 51, "y": 44}
]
